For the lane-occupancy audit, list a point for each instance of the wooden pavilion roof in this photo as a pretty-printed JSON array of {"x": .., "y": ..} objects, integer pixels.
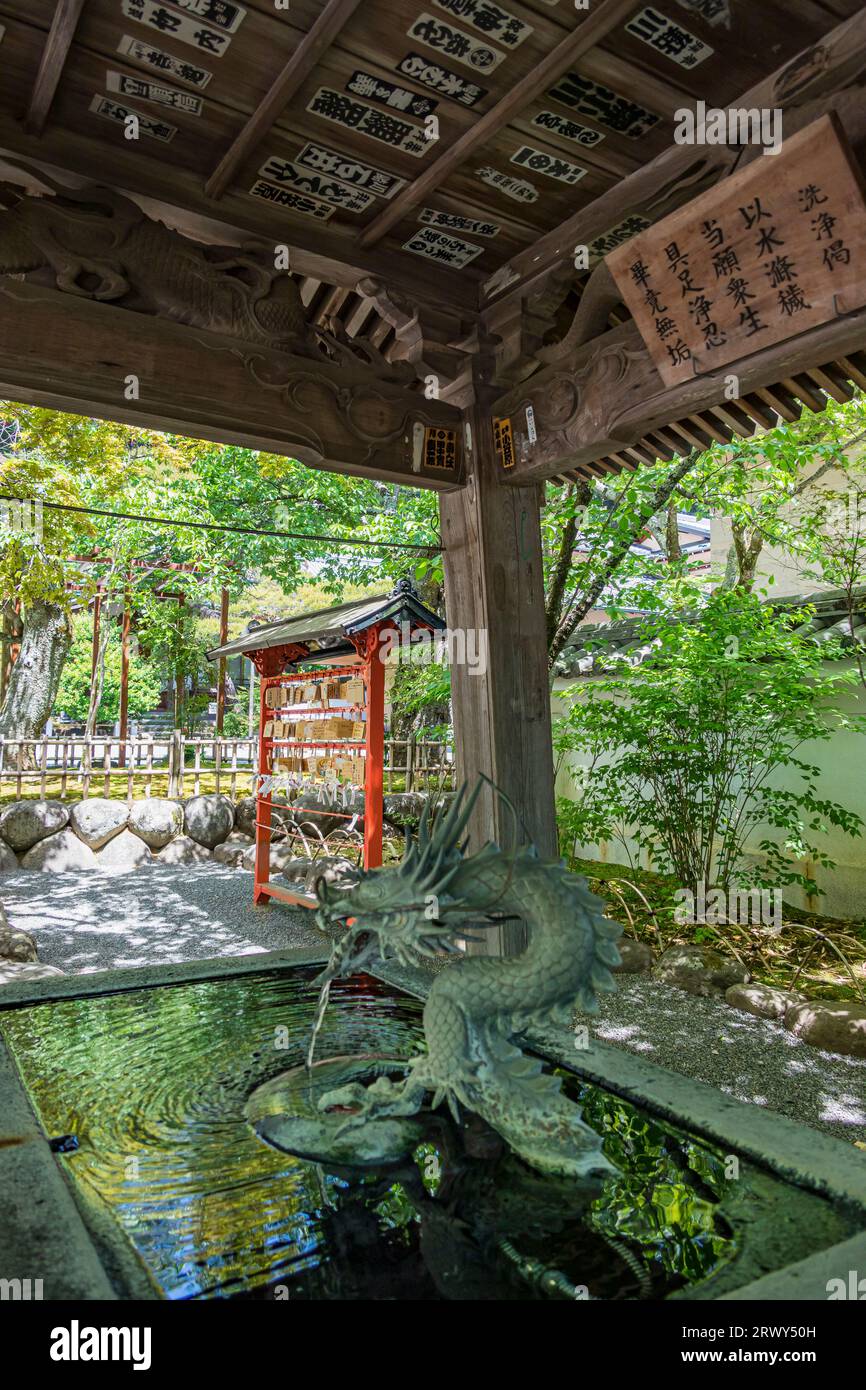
[{"x": 453, "y": 152}]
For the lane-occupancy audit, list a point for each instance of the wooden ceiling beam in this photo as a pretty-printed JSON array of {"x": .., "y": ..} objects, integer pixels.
[
  {"x": 308, "y": 53},
  {"x": 605, "y": 17},
  {"x": 54, "y": 55}
]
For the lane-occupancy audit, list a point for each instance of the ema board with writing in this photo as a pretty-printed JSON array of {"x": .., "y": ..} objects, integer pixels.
[
  {"x": 184, "y": 27},
  {"x": 774, "y": 250},
  {"x": 454, "y": 43},
  {"x": 142, "y": 52}
]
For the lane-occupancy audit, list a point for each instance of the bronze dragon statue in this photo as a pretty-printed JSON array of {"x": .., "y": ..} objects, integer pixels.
[{"x": 477, "y": 1006}]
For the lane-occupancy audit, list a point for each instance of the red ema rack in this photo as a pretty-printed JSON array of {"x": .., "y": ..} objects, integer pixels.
[{"x": 371, "y": 670}]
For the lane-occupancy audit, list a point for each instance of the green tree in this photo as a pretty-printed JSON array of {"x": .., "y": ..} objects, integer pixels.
[
  {"x": 74, "y": 690},
  {"x": 681, "y": 754}
]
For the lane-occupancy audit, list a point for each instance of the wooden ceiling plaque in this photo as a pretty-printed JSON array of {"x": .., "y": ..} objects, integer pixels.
[{"x": 772, "y": 251}]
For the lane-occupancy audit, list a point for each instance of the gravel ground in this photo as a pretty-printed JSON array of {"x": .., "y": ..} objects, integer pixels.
[
  {"x": 85, "y": 922},
  {"x": 749, "y": 1058}
]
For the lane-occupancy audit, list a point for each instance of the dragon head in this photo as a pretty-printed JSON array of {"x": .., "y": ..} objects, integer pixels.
[{"x": 406, "y": 910}]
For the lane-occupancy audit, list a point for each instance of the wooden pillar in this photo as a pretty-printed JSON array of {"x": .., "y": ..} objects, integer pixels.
[
  {"x": 374, "y": 676},
  {"x": 179, "y": 678},
  {"x": 494, "y": 586},
  {"x": 221, "y": 686},
  {"x": 124, "y": 676}
]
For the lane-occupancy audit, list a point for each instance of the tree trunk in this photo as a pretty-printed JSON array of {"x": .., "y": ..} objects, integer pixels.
[{"x": 34, "y": 678}]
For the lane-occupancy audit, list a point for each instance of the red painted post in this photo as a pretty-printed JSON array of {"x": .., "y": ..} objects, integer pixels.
[
  {"x": 374, "y": 677},
  {"x": 262, "y": 873}
]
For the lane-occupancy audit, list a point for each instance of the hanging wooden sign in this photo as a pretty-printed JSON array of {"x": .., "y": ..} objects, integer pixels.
[{"x": 765, "y": 255}]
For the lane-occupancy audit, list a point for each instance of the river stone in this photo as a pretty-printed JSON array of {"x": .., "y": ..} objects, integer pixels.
[
  {"x": 13, "y": 972},
  {"x": 245, "y": 815},
  {"x": 831, "y": 1025},
  {"x": 303, "y": 873},
  {"x": 280, "y": 855},
  {"x": 8, "y": 860},
  {"x": 404, "y": 808},
  {"x": 97, "y": 820},
  {"x": 637, "y": 958},
  {"x": 327, "y": 816},
  {"x": 125, "y": 852},
  {"x": 25, "y": 823},
  {"x": 59, "y": 853},
  {"x": 183, "y": 850},
  {"x": 156, "y": 820},
  {"x": 699, "y": 970},
  {"x": 209, "y": 819},
  {"x": 232, "y": 850},
  {"x": 763, "y": 1000},
  {"x": 16, "y": 945}
]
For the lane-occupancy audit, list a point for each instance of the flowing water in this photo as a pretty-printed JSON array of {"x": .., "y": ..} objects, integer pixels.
[{"x": 153, "y": 1084}]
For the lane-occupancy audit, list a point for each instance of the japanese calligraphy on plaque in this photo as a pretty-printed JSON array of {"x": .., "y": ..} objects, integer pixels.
[
  {"x": 178, "y": 26},
  {"x": 774, "y": 250},
  {"x": 493, "y": 21},
  {"x": 440, "y": 79},
  {"x": 115, "y": 111},
  {"x": 438, "y": 246},
  {"x": 367, "y": 120},
  {"x": 286, "y": 174},
  {"x": 503, "y": 442},
  {"x": 454, "y": 43},
  {"x": 142, "y": 52},
  {"x": 455, "y": 222},
  {"x": 440, "y": 448},
  {"x": 350, "y": 170},
  {"x": 364, "y": 84},
  {"x": 145, "y": 89},
  {"x": 617, "y": 112}
]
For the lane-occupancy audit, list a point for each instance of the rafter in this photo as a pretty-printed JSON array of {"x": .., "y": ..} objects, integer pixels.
[
  {"x": 55, "y": 53},
  {"x": 604, "y": 18},
  {"x": 305, "y": 57}
]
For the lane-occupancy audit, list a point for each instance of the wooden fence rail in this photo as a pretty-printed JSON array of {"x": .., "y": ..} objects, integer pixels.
[{"x": 68, "y": 767}]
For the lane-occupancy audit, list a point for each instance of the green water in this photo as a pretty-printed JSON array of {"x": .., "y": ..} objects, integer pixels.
[{"x": 153, "y": 1083}]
